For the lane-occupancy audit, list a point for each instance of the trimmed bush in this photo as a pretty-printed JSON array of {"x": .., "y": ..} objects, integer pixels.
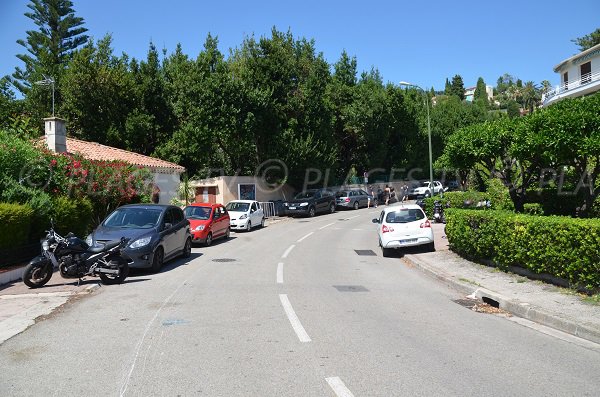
[
  {"x": 16, "y": 223},
  {"x": 72, "y": 215},
  {"x": 563, "y": 247},
  {"x": 457, "y": 200},
  {"x": 533, "y": 209}
]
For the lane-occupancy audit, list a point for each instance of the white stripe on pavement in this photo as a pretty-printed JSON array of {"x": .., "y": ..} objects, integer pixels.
[
  {"x": 355, "y": 216},
  {"x": 338, "y": 387},
  {"x": 329, "y": 224},
  {"x": 287, "y": 251},
  {"x": 280, "y": 273},
  {"x": 298, "y": 328},
  {"x": 299, "y": 241}
]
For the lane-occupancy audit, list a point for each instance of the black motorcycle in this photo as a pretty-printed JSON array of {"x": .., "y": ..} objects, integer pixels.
[{"x": 76, "y": 259}]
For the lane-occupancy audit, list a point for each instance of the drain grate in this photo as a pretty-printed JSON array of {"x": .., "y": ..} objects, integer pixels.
[
  {"x": 222, "y": 260},
  {"x": 468, "y": 303},
  {"x": 365, "y": 252},
  {"x": 350, "y": 288}
]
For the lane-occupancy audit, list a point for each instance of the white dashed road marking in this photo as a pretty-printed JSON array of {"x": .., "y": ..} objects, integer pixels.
[
  {"x": 305, "y": 237},
  {"x": 280, "y": 273},
  {"x": 287, "y": 251},
  {"x": 323, "y": 227},
  {"x": 289, "y": 311},
  {"x": 338, "y": 387}
]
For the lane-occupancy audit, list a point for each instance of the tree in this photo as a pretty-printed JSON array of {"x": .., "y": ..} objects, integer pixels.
[
  {"x": 457, "y": 87},
  {"x": 588, "y": 41},
  {"x": 531, "y": 96},
  {"x": 49, "y": 48},
  {"x": 480, "y": 92}
]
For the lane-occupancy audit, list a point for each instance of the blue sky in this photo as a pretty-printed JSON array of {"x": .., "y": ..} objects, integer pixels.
[{"x": 421, "y": 42}]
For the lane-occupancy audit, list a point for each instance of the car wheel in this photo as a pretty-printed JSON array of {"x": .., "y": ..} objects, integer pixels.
[
  {"x": 311, "y": 212},
  {"x": 332, "y": 208},
  {"x": 356, "y": 205},
  {"x": 248, "y": 226},
  {"x": 209, "y": 239},
  {"x": 157, "y": 260},
  {"x": 262, "y": 222},
  {"x": 427, "y": 194},
  {"x": 187, "y": 248},
  {"x": 387, "y": 252},
  {"x": 431, "y": 247}
]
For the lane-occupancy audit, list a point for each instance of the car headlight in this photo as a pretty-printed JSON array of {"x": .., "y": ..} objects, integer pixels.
[
  {"x": 45, "y": 245},
  {"x": 303, "y": 204},
  {"x": 285, "y": 204},
  {"x": 199, "y": 227},
  {"x": 89, "y": 241},
  {"x": 243, "y": 216},
  {"x": 140, "y": 242}
]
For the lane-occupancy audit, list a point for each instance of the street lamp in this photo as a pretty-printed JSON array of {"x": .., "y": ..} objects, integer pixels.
[
  {"x": 48, "y": 81},
  {"x": 407, "y": 84}
]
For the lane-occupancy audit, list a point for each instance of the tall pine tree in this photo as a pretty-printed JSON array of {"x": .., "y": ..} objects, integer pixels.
[{"x": 50, "y": 47}]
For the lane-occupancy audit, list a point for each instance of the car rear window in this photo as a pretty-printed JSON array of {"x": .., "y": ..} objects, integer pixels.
[
  {"x": 341, "y": 194},
  {"x": 404, "y": 216}
]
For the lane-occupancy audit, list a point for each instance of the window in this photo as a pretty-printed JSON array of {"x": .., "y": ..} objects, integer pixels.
[
  {"x": 566, "y": 80},
  {"x": 404, "y": 216},
  {"x": 253, "y": 207},
  {"x": 168, "y": 217},
  {"x": 177, "y": 215},
  {"x": 586, "y": 72}
]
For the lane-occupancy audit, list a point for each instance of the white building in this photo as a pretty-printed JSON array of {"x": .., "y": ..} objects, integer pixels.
[
  {"x": 470, "y": 93},
  {"x": 166, "y": 174},
  {"x": 579, "y": 75}
]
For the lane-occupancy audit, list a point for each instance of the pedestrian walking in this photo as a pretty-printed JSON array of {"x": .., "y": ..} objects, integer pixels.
[{"x": 386, "y": 194}]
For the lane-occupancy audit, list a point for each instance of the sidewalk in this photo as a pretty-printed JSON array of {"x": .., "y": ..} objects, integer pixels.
[{"x": 545, "y": 304}]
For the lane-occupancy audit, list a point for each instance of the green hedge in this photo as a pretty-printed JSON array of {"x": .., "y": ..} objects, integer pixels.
[
  {"x": 564, "y": 247},
  {"x": 456, "y": 200},
  {"x": 16, "y": 224},
  {"x": 72, "y": 215}
]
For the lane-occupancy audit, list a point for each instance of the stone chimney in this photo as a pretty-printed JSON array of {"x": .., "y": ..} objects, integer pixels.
[{"x": 56, "y": 134}]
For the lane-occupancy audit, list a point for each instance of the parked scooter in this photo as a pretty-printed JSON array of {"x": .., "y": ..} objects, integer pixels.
[
  {"x": 438, "y": 212},
  {"x": 75, "y": 259}
]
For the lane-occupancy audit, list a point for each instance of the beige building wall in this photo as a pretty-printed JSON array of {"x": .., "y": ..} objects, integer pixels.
[{"x": 228, "y": 188}]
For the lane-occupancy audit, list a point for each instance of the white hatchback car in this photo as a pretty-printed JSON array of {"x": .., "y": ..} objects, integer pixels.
[
  {"x": 245, "y": 214},
  {"x": 403, "y": 225}
]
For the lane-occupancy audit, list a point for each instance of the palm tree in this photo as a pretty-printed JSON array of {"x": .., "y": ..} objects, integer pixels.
[{"x": 531, "y": 96}]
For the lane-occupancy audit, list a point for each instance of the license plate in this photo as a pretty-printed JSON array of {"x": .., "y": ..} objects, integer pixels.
[
  {"x": 292, "y": 208},
  {"x": 410, "y": 240}
]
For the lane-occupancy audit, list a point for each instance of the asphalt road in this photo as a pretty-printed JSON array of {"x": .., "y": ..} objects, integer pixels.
[{"x": 289, "y": 310}]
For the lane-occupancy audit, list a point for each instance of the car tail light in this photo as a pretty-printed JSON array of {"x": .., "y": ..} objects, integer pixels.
[
  {"x": 385, "y": 229},
  {"x": 347, "y": 200},
  {"x": 426, "y": 224}
]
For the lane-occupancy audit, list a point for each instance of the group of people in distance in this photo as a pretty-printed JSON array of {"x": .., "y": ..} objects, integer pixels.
[{"x": 388, "y": 195}]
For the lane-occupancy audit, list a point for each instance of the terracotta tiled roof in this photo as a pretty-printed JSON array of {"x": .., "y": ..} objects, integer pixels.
[{"x": 96, "y": 151}]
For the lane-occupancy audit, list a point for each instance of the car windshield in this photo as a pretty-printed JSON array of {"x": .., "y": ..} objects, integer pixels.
[
  {"x": 193, "y": 212},
  {"x": 133, "y": 218},
  {"x": 238, "y": 207},
  {"x": 342, "y": 194},
  {"x": 424, "y": 184},
  {"x": 404, "y": 216},
  {"x": 305, "y": 195}
]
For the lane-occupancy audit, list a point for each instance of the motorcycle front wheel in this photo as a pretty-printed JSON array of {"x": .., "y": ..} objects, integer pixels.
[
  {"x": 37, "y": 276},
  {"x": 108, "y": 279}
]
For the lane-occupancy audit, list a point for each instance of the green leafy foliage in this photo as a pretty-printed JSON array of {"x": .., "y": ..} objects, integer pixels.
[
  {"x": 560, "y": 246},
  {"x": 71, "y": 215},
  {"x": 16, "y": 223}
]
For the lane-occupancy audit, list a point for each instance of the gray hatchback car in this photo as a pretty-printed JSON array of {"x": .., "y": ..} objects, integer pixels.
[
  {"x": 157, "y": 233},
  {"x": 351, "y": 198}
]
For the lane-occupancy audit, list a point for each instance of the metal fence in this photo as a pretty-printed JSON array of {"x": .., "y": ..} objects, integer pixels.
[{"x": 269, "y": 208}]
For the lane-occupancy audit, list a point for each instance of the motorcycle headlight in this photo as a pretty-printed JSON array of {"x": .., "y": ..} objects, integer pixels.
[
  {"x": 140, "y": 242},
  {"x": 89, "y": 241},
  {"x": 45, "y": 245},
  {"x": 199, "y": 227},
  {"x": 303, "y": 204},
  {"x": 244, "y": 216}
]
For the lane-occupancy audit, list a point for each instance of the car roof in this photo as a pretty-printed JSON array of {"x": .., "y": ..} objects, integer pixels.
[
  {"x": 396, "y": 206},
  {"x": 212, "y": 205},
  {"x": 242, "y": 201},
  {"x": 148, "y": 206}
]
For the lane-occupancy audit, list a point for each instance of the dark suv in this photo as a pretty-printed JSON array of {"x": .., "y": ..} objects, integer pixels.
[
  {"x": 311, "y": 202},
  {"x": 157, "y": 233}
]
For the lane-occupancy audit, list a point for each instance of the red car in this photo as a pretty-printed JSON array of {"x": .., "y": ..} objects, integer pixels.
[{"x": 207, "y": 222}]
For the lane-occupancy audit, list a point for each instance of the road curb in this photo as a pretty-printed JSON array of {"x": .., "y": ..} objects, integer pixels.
[{"x": 515, "y": 307}]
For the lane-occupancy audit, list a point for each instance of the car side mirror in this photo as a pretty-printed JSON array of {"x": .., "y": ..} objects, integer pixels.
[
  {"x": 168, "y": 226},
  {"x": 375, "y": 221}
]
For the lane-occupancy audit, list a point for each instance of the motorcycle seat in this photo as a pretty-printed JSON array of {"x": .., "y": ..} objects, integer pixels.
[{"x": 100, "y": 248}]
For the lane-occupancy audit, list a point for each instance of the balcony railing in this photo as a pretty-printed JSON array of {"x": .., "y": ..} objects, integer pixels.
[{"x": 585, "y": 79}]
